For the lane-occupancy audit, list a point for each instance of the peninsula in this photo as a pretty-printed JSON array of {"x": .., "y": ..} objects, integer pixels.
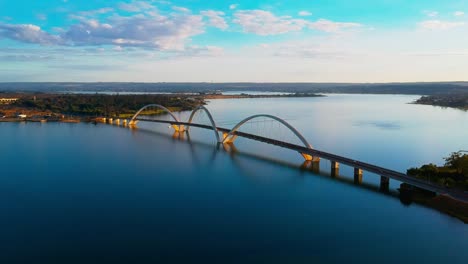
[{"x": 45, "y": 107}]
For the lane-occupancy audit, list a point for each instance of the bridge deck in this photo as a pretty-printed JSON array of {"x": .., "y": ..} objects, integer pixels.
[{"x": 332, "y": 157}]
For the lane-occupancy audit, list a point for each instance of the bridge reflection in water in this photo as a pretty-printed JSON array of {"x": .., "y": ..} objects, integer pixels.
[{"x": 310, "y": 155}]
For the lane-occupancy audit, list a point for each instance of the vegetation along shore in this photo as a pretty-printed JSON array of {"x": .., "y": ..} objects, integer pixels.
[
  {"x": 45, "y": 107},
  {"x": 453, "y": 174}
]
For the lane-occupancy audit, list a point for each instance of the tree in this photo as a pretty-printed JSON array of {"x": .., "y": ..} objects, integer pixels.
[{"x": 458, "y": 162}]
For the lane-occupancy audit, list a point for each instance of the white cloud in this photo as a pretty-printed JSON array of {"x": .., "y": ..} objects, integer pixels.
[
  {"x": 459, "y": 13},
  {"x": 216, "y": 18},
  {"x": 24, "y": 58},
  {"x": 28, "y": 33},
  {"x": 331, "y": 26},
  {"x": 161, "y": 33},
  {"x": 41, "y": 16},
  {"x": 181, "y": 9},
  {"x": 440, "y": 25},
  {"x": 318, "y": 48},
  {"x": 430, "y": 13},
  {"x": 265, "y": 23},
  {"x": 304, "y": 13},
  {"x": 233, "y": 6},
  {"x": 136, "y": 6},
  {"x": 99, "y": 11},
  {"x": 198, "y": 51}
]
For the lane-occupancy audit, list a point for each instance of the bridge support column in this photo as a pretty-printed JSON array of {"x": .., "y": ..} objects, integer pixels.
[
  {"x": 384, "y": 184},
  {"x": 178, "y": 135},
  {"x": 230, "y": 148},
  {"x": 179, "y": 128},
  {"x": 335, "y": 169},
  {"x": 111, "y": 121},
  {"x": 117, "y": 121},
  {"x": 132, "y": 124},
  {"x": 313, "y": 166},
  {"x": 125, "y": 122},
  {"x": 357, "y": 175},
  {"x": 308, "y": 157},
  {"x": 228, "y": 139}
]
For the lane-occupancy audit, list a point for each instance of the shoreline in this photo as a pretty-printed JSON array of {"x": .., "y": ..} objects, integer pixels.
[
  {"x": 439, "y": 202},
  {"x": 55, "y": 107},
  {"x": 454, "y": 101},
  {"x": 257, "y": 96}
]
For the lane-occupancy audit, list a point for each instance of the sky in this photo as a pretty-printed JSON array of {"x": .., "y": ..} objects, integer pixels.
[{"x": 234, "y": 41}]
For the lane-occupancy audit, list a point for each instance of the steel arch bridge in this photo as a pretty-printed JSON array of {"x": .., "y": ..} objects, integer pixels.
[
  {"x": 229, "y": 135},
  {"x": 134, "y": 121},
  {"x": 306, "y": 150}
]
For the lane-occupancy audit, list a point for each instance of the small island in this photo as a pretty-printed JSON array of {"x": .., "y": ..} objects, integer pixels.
[{"x": 453, "y": 174}]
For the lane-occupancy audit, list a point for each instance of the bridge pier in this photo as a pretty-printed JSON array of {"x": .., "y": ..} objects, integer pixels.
[
  {"x": 384, "y": 184},
  {"x": 335, "y": 169},
  {"x": 357, "y": 175},
  {"x": 308, "y": 157},
  {"x": 117, "y": 121},
  {"x": 311, "y": 165},
  {"x": 111, "y": 121},
  {"x": 179, "y": 128},
  {"x": 125, "y": 122},
  {"x": 178, "y": 135},
  {"x": 228, "y": 139},
  {"x": 230, "y": 148},
  {"x": 132, "y": 124}
]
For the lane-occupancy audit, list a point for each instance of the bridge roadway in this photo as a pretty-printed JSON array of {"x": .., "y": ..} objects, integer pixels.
[{"x": 463, "y": 196}]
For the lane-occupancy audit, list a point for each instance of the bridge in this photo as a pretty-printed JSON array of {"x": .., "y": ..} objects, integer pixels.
[{"x": 310, "y": 154}]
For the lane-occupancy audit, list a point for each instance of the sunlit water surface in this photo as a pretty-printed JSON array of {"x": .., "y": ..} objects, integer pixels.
[{"x": 84, "y": 193}]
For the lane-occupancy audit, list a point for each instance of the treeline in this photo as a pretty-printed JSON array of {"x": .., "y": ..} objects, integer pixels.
[
  {"x": 103, "y": 105},
  {"x": 453, "y": 174},
  {"x": 448, "y": 100},
  {"x": 356, "y": 88}
]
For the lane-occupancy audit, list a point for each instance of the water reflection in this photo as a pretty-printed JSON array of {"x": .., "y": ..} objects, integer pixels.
[
  {"x": 389, "y": 125},
  {"x": 241, "y": 162},
  {"x": 312, "y": 166},
  {"x": 197, "y": 161},
  {"x": 142, "y": 187}
]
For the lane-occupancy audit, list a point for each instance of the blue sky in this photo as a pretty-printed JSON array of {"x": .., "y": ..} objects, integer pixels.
[{"x": 228, "y": 41}]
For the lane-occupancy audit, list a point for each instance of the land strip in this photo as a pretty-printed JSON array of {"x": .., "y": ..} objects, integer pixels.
[{"x": 43, "y": 107}]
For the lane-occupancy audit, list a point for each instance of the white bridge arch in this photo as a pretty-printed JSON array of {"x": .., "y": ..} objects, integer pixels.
[
  {"x": 153, "y": 105},
  {"x": 229, "y": 135},
  {"x": 213, "y": 123},
  {"x": 283, "y": 122}
]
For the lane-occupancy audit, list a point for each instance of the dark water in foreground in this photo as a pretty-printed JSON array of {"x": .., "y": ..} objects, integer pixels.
[{"x": 79, "y": 193}]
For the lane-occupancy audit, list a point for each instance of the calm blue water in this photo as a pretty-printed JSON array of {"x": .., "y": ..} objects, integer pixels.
[{"x": 80, "y": 193}]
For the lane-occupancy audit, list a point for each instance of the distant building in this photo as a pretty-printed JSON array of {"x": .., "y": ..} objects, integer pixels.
[{"x": 8, "y": 100}]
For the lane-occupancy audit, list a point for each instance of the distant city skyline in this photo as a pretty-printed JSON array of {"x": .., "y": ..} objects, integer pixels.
[{"x": 234, "y": 41}]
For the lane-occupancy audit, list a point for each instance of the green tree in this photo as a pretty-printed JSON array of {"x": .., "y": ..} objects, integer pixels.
[{"x": 458, "y": 161}]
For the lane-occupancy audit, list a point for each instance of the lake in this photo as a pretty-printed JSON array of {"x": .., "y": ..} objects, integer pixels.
[{"x": 85, "y": 193}]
